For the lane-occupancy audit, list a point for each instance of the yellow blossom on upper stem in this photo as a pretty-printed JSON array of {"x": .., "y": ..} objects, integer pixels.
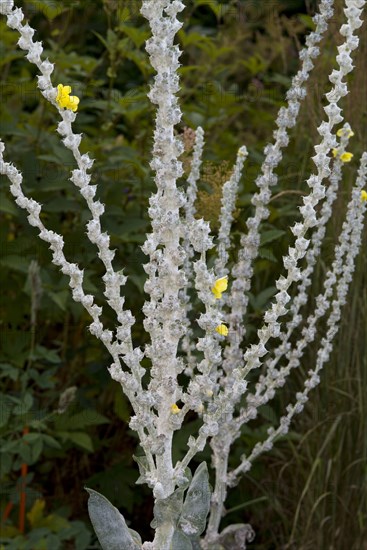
[
  {"x": 345, "y": 157},
  {"x": 343, "y": 132},
  {"x": 64, "y": 99},
  {"x": 222, "y": 330},
  {"x": 175, "y": 409},
  {"x": 363, "y": 195},
  {"x": 220, "y": 286}
]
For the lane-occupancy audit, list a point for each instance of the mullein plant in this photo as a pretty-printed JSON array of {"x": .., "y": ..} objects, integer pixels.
[{"x": 218, "y": 364}]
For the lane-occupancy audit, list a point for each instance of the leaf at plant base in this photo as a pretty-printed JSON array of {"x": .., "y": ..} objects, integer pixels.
[
  {"x": 136, "y": 537},
  {"x": 109, "y": 525},
  {"x": 180, "y": 541},
  {"x": 168, "y": 509},
  {"x": 196, "y": 545},
  {"x": 197, "y": 502}
]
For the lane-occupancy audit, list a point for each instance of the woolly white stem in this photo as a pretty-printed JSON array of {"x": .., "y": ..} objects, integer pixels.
[
  {"x": 243, "y": 270},
  {"x": 351, "y": 245},
  {"x": 56, "y": 241}
]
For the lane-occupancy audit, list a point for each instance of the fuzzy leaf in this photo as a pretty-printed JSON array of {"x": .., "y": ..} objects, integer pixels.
[
  {"x": 142, "y": 462},
  {"x": 109, "y": 525},
  {"x": 180, "y": 541},
  {"x": 197, "y": 502},
  {"x": 168, "y": 509}
]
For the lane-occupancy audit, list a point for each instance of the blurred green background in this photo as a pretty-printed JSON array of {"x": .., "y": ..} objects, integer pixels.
[{"x": 239, "y": 56}]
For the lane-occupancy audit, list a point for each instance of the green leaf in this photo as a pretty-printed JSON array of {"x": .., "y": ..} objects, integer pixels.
[
  {"x": 5, "y": 411},
  {"x": 78, "y": 421},
  {"x": 260, "y": 300},
  {"x": 214, "y": 5},
  {"x": 32, "y": 437},
  {"x": 197, "y": 503},
  {"x": 51, "y": 441},
  {"x": 270, "y": 236},
  {"x": 16, "y": 263},
  {"x": 109, "y": 525},
  {"x": 24, "y": 405},
  {"x": 8, "y": 371},
  {"x": 49, "y": 8},
  {"x": 60, "y": 298},
  {"x": 8, "y": 206},
  {"x": 307, "y": 21},
  {"x": 138, "y": 36},
  {"x": 49, "y": 355},
  {"x": 79, "y": 438},
  {"x": 267, "y": 254},
  {"x": 267, "y": 412},
  {"x": 6, "y": 463}
]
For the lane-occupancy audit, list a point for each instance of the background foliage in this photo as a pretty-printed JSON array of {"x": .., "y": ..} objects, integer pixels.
[{"x": 239, "y": 56}]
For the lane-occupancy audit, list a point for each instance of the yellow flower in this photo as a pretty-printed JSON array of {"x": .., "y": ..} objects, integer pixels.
[
  {"x": 363, "y": 195},
  {"x": 341, "y": 132},
  {"x": 175, "y": 409},
  {"x": 345, "y": 157},
  {"x": 65, "y": 100},
  {"x": 220, "y": 286},
  {"x": 222, "y": 330}
]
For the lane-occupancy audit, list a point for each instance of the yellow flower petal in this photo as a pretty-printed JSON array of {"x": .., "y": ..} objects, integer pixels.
[
  {"x": 341, "y": 132},
  {"x": 220, "y": 286},
  {"x": 73, "y": 102},
  {"x": 222, "y": 330},
  {"x": 64, "y": 100},
  {"x": 363, "y": 195},
  {"x": 346, "y": 157},
  {"x": 175, "y": 409}
]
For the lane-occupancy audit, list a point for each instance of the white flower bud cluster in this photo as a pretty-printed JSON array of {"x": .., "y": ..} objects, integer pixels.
[
  {"x": 130, "y": 382},
  {"x": 266, "y": 386},
  {"x": 194, "y": 175},
  {"x": 201, "y": 387},
  {"x": 287, "y": 117},
  {"x": 271, "y": 326},
  {"x": 229, "y": 196},
  {"x": 165, "y": 314},
  {"x": 339, "y": 276},
  {"x": 187, "y": 344},
  {"x": 56, "y": 242},
  {"x": 239, "y": 303},
  {"x": 6, "y": 6},
  {"x": 311, "y": 257},
  {"x": 178, "y": 266},
  {"x": 80, "y": 178}
]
